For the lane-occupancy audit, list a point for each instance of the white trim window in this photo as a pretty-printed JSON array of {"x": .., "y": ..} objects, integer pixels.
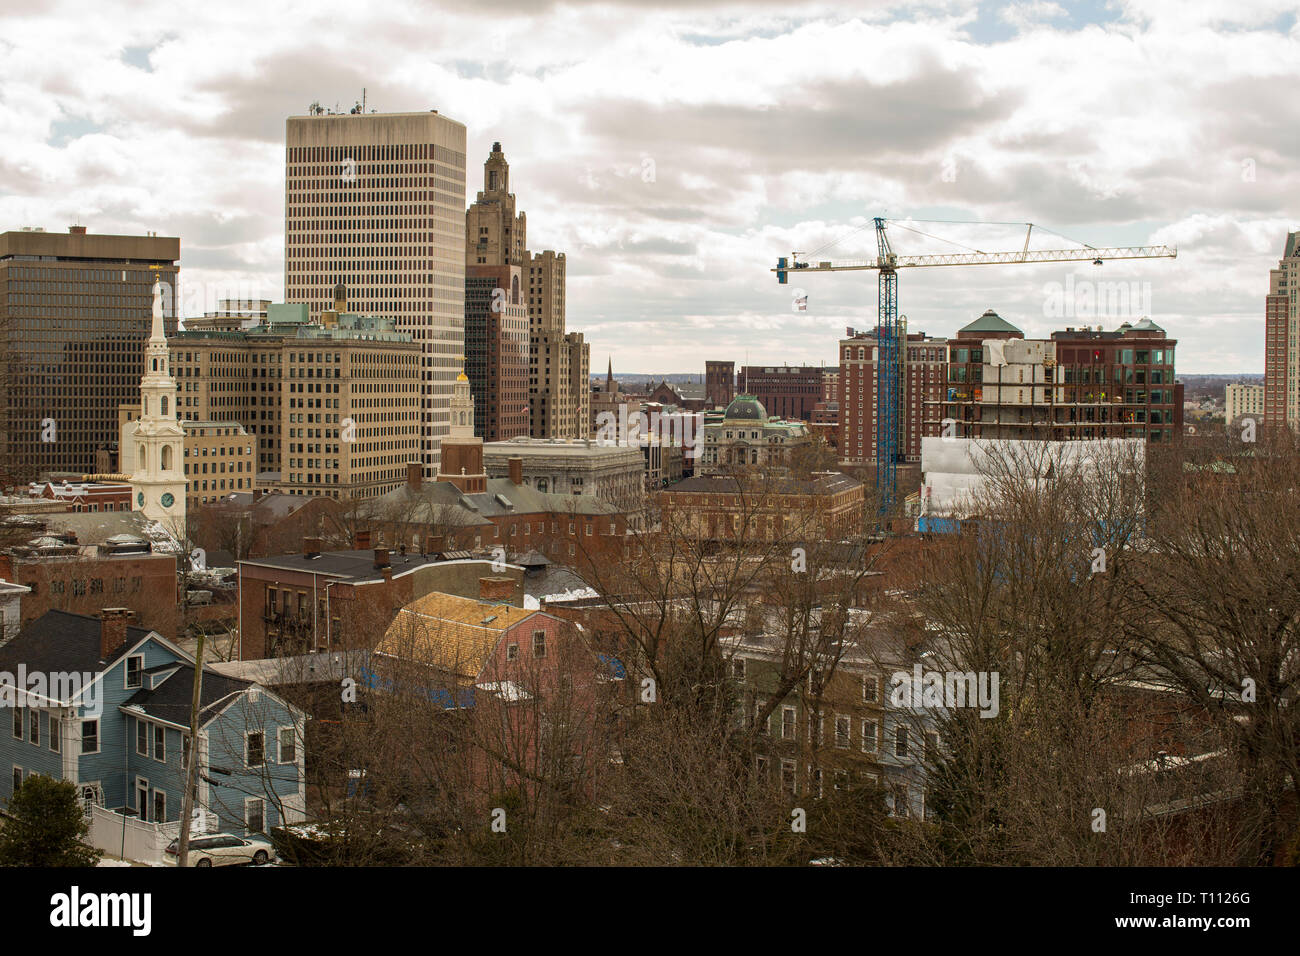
[
  {"x": 18, "y": 723},
  {"x": 56, "y": 733},
  {"x": 254, "y": 748},
  {"x": 255, "y": 814},
  {"x": 870, "y": 689},
  {"x": 870, "y": 736},
  {"x": 787, "y": 722},
  {"x": 141, "y": 737},
  {"x": 159, "y": 808},
  {"x": 287, "y": 744},
  {"x": 133, "y": 672},
  {"x": 789, "y": 777},
  {"x": 900, "y": 740},
  {"x": 90, "y": 736},
  {"x": 34, "y": 727},
  {"x": 160, "y": 743},
  {"x": 843, "y": 731}
]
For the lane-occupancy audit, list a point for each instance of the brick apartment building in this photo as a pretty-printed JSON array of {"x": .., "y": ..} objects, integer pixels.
[
  {"x": 829, "y": 505},
  {"x": 788, "y": 391},
  {"x": 921, "y": 378}
]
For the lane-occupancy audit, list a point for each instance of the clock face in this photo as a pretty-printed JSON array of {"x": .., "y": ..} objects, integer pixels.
[
  {"x": 139, "y": 499},
  {"x": 168, "y": 500}
]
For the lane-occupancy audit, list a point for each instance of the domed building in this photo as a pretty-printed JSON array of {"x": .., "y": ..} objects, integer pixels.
[{"x": 747, "y": 435}]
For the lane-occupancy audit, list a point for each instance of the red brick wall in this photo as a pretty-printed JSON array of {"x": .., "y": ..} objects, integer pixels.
[{"x": 144, "y": 583}]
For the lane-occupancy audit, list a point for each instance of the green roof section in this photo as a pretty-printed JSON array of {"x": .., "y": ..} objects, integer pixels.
[{"x": 990, "y": 321}]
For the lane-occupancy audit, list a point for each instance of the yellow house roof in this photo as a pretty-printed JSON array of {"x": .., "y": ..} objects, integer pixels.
[{"x": 454, "y": 634}]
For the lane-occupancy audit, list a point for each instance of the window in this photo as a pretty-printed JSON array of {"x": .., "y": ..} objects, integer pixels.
[
  {"x": 18, "y": 723},
  {"x": 255, "y": 814},
  {"x": 870, "y": 689},
  {"x": 160, "y": 742},
  {"x": 18, "y": 779},
  {"x": 56, "y": 729},
  {"x": 254, "y": 749},
  {"x": 512, "y": 651},
  {"x": 787, "y": 723},
  {"x": 288, "y": 745},
  {"x": 902, "y": 807},
  {"x": 816, "y": 780},
  {"x": 815, "y": 679},
  {"x": 34, "y": 727},
  {"x": 869, "y": 739},
  {"x": 141, "y": 737},
  {"x": 90, "y": 736},
  {"x": 159, "y": 807},
  {"x": 900, "y": 741},
  {"x": 841, "y": 780},
  {"x": 931, "y": 747},
  {"x": 539, "y": 643},
  {"x": 843, "y": 731},
  {"x": 788, "y": 776},
  {"x": 738, "y": 667}
]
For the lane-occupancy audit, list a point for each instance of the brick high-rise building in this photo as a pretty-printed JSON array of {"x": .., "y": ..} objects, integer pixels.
[
  {"x": 719, "y": 383},
  {"x": 559, "y": 389},
  {"x": 1082, "y": 383},
  {"x": 496, "y": 350},
  {"x": 75, "y": 313},
  {"x": 790, "y": 391},
  {"x": 377, "y": 201},
  {"x": 494, "y": 233},
  {"x": 921, "y": 378},
  {"x": 1281, "y": 340}
]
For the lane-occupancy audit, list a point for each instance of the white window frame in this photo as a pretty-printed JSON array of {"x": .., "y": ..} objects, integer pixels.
[
  {"x": 19, "y": 729},
  {"x": 870, "y": 746},
  {"x": 159, "y": 743},
  {"x": 142, "y": 814},
  {"x": 249, "y": 802},
  {"x": 126, "y": 673},
  {"x": 901, "y": 738},
  {"x": 56, "y": 734},
  {"x": 872, "y": 681},
  {"x": 98, "y": 742},
  {"x": 793, "y": 725},
  {"x": 34, "y": 727},
  {"x": 279, "y": 744},
  {"x": 848, "y": 731},
  {"x": 142, "y": 726}
]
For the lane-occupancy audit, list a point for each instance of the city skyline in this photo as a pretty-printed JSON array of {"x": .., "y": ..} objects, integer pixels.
[{"x": 675, "y": 160}]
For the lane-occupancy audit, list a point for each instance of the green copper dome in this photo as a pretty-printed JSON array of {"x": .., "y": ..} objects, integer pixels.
[{"x": 746, "y": 408}]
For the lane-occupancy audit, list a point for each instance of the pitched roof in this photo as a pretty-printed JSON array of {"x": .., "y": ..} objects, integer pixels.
[
  {"x": 171, "y": 699},
  {"x": 451, "y": 633},
  {"x": 345, "y": 565},
  {"x": 59, "y": 641}
]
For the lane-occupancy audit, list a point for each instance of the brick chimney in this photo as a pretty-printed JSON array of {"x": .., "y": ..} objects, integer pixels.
[
  {"x": 77, "y": 230},
  {"x": 516, "y": 470},
  {"x": 435, "y": 543},
  {"x": 311, "y": 547},
  {"x": 496, "y": 590},
  {"x": 414, "y": 475},
  {"x": 112, "y": 629},
  {"x": 381, "y": 559},
  {"x": 361, "y": 540},
  {"x": 6, "y": 568}
]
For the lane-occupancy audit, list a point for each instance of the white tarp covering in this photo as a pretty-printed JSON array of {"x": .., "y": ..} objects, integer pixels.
[{"x": 953, "y": 470}]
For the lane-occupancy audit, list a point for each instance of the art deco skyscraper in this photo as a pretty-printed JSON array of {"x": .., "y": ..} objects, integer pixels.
[
  {"x": 377, "y": 201},
  {"x": 1281, "y": 341}
]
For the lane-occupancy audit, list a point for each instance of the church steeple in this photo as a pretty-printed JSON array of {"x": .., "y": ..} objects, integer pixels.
[{"x": 154, "y": 446}]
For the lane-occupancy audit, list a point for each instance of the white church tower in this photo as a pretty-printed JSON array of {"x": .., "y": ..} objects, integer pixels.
[{"x": 153, "y": 446}]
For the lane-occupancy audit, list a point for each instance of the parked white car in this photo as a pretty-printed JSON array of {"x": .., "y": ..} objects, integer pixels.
[{"x": 224, "y": 849}]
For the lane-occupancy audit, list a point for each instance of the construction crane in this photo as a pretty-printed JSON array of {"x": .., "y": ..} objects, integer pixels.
[{"x": 887, "y": 264}]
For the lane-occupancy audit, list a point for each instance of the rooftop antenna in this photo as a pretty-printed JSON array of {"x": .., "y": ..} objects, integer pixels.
[{"x": 363, "y": 99}]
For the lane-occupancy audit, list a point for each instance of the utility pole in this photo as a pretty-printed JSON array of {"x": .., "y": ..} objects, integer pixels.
[{"x": 192, "y": 771}]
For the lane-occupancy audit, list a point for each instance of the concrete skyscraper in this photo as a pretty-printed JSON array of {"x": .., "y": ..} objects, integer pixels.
[
  {"x": 377, "y": 201},
  {"x": 73, "y": 327},
  {"x": 1281, "y": 341}
]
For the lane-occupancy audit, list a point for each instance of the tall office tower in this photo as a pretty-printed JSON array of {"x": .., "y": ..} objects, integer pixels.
[
  {"x": 75, "y": 314},
  {"x": 719, "y": 383},
  {"x": 557, "y": 361},
  {"x": 923, "y": 366},
  {"x": 494, "y": 234},
  {"x": 496, "y": 350},
  {"x": 377, "y": 201},
  {"x": 1281, "y": 341}
]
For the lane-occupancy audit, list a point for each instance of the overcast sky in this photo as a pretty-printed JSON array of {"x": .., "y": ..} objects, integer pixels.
[{"x": 674, "y": 150}]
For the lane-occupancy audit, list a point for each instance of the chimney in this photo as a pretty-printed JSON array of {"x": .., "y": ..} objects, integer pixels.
[
  {"x": 361, "y": 540},
  {"x": 6, "y": 568},
  {"x": 435, "y": 543},
  {"x": 77, "y": 230},
  {"x": 496, "y": 590},
  {"x": 516, "y": 470},
  {"x": 414, "y": 475},
  {"x": 311, "y": 547},
  {"x": 112, "y": 629},
  {"x": 381, "y": 559}
]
